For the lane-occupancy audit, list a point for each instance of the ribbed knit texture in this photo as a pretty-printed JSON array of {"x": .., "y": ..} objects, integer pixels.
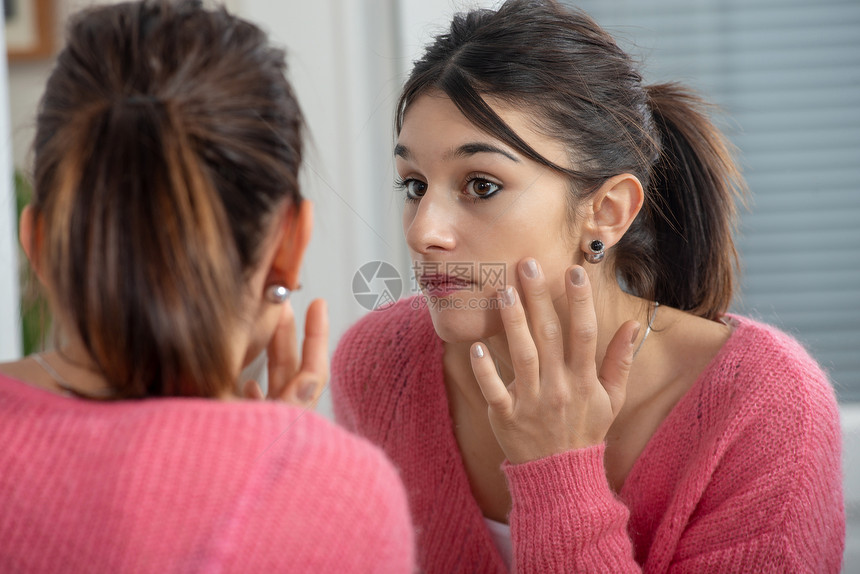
[
  {"x": 743, "y": 475},
  {"x": 191, "y": 485}
]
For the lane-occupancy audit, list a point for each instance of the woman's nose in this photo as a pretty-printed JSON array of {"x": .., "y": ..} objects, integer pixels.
[{"x": 430, "y": 227}]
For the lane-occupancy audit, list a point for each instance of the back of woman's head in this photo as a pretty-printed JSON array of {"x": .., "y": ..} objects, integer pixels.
[
  {"x": 167, "y": 140},
  {"x": 579, "y": 87}
]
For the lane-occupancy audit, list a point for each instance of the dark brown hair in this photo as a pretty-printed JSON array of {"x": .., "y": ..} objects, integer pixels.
[
  {"x": 167, "y": 138},
  {"x": 585, "y": 91}
]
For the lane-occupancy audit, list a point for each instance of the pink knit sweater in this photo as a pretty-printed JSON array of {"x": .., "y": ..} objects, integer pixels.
[
  {"x": 743, "y": 475},
  {"x": 191, "y": 485}
]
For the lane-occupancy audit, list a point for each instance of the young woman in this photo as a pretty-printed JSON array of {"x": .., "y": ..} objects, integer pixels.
[
  {"x": 569, "y": 393},
  {"x": 167, "y": 228}
]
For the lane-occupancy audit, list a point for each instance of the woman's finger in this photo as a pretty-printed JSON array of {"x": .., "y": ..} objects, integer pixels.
[
  {"x": 582, "y": 338},
  {"x": 617, "y": 362},
  {"x": 542, "y": 316},
  {"x": 252, "y": 390},
  {"x": 283, "y": 353},
  {"x": 314, "y": 370},
  {"x": 497, "y": 396},
  {"x": 524, "y": 354}
]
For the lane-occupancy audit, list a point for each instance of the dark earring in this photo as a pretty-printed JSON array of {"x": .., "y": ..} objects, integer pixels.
[
  {"x": 277, "y": 294},
  {"x": 596, "y": 251}
]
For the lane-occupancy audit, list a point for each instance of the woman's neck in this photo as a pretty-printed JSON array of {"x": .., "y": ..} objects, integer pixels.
[{"x": 71, "y": 370}]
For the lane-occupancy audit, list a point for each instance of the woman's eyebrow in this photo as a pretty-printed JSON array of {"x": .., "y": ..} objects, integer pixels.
[
  {"x": 470, "y": 149},
  {"x": 402, "y": 151},
  {"x": 465, "y": 150}
]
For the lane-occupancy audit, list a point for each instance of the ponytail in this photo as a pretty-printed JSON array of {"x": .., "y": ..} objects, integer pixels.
[
  {"x": 143, "y": 270},
  {"x": 694, "y": 184},
  {"x": 167, "y": 139}
]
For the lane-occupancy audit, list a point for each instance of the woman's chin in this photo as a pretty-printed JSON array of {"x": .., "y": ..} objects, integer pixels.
[{"x": 463, "y": 324}]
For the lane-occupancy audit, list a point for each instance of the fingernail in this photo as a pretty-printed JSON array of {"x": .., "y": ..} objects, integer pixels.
[
  {"x": 577, "y": 276},
  {"x": 635, "y": 334},
  {"x": 306, "y": 392},
  {"x": 508, "y": 296},
  {"x": 478, "y": 352},
  {"x": 530, "y": 268}
]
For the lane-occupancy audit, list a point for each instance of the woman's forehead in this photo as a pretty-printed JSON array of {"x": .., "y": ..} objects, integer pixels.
[{"x": 434, "y": 120}]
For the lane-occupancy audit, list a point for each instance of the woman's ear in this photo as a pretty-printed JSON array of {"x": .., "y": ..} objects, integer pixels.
[
  {"x": 298, "y": 225},
  {"x": 613, "y": 208},
  {"x": 30, "y": 236}
]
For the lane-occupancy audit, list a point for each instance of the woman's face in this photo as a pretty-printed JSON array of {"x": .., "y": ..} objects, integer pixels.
[{"x": 475, "y": 208}]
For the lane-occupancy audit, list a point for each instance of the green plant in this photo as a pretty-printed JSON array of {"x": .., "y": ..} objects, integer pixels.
[{"x": 35, "y": 318}]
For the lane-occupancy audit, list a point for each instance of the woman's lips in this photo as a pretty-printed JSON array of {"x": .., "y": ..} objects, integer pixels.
[{"x": 442, "y": 285}]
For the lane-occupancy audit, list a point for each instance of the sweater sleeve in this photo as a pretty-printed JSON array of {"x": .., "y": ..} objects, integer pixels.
[
  {"x": 754, "y": 487},
  {"x": 565, "y": 518}
]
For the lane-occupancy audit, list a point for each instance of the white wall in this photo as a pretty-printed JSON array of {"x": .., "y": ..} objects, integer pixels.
[{"x": 10, "y": 342}]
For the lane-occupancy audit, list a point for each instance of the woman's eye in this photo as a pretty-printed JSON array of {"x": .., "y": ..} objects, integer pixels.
[
  {"x": 415, "y": 188},
  {"x": 481, "y": 188}
]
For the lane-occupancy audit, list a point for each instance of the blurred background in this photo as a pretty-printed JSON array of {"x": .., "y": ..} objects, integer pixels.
[{"x": 786, "y": 74}]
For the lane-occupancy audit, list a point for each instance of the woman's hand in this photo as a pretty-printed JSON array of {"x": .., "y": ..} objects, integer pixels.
[
  {"x": 558, "y": 400},
  {"x": 296, "y": 380}
]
